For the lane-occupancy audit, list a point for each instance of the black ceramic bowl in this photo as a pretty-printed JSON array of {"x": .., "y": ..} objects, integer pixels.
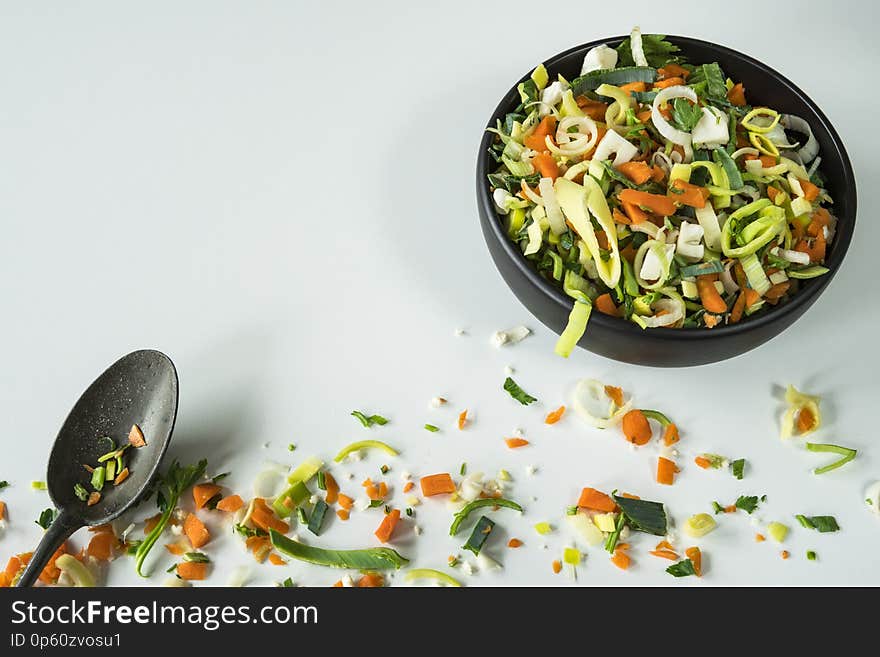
[{"x": 622, "y": 340}]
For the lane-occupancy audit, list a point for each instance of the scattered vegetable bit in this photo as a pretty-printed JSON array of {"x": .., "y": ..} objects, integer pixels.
[
  {"x": 363, "y": 445},
  {"x": 437, "y": 484},
  {"x": 470, "y": 507},
  {"x": 823, "y": 524},
  {"x": 683, "y": 568},
  {"x": 367, "y": 559},
  {"x": 432, "y": 428},
  {"x": 777, "y": 531},
  {"x": 518, "y": 393},
  {"x": 514, "y": 443},
  {"x": 737, "y": 468},
  {"x": 479, "y": 535},
  {"x": 430, "y": 573},
  {"x": 554, "y": 416},
  {"x": 369, "y": 420},
  {"x": 846, "y": 453},
  {"x": 699, "y": 525},
  {"x": 136, "y": 437}
]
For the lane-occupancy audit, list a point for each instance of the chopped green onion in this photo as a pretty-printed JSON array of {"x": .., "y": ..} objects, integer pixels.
[
  {"x": 811, "y": 556},
  {"x": 322, "y": 480},
  {"x": 39, "y": 485},
  {"x": 47, "y": 517},
  {"x": 369, "y": 420},
  {"x": 717, "y": 508},
  {"x": 301, "y": 516},
  {"x": 80, "y": 491},
  {"x": 847, "y": 454},
  {"x": 432, "y": 428},
  {"x": 297, "y": 494},
  {"x": 384, "y": 469},
  {"x": 317, "y": 518},
  {"x": 291, "y": 447},
  {"x": 98, "y": 477},
  {"x": 463, "y": 469},
  {"x": 196, "y": 557},
  {"x": 288, "y": 583}
]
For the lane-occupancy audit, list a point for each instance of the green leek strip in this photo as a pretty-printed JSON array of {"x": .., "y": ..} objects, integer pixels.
[
  {"x": 755, "y": 274},
  {"x": 367, "y": 559},
  {"x": 557, "y": 265},
  {"x": 617, "y": 76},
  {"x": 658, "y": 416},
  {"x": 75, "y": 570},
  {"x": 569, "y": 106},
  {"x": 659, "y": 249},
  {"x": 630, "y": 284},
  {"x": 297, "y": 494},
  {"x": 365, "y": 444},
  {"x": 305, "y": 470},
  {"x": 847, "y": 454},
  {"x": 430, "y": 573},
  {"x": 479, "y": 535},
  {"x": 462, "y": 515},
  {"x": 723, "y": 158},
  {"x": 517, "y": 167},
  {"x": 763, "y": 144},
  {"x": 702, "y": 268},
  {"x": 574, "y": 330},
  {"x": 809, "y": 272}
]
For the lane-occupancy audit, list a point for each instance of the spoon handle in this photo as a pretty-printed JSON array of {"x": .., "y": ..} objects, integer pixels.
[{"x": 58, "y": 532}]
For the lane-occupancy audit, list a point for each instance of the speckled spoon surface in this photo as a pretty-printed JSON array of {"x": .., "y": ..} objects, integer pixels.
[{"x": 140, "y": 388}]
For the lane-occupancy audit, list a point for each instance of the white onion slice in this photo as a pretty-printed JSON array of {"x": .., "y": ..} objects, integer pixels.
[
  {"x": 551, "y": 205},
  {"x": 674, "y": 135},
  {"x": 730, "y": 285},
  {"x": 635, "y": 43},
  {"x": 810, "y": 149},
  {"x": 673, "y": 314},
  {"x": 591, "y": 402},
  {"x": 612, "y": 142}
]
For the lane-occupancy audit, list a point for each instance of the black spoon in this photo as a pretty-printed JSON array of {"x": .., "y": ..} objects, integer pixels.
[{"x": 140, "y": 388}]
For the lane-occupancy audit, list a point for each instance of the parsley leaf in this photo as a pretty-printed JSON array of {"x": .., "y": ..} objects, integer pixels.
[
  {"x": 47, "y": 517},
  {"x": 3, "y": 484},
  {"x": 717, "y": 508},
  {"x": 747, "y": 503},
  {"x": 685, "y": 115},
  {"x": 708, "y": 80},
  {"x": 518, "y": 393},
  {"x": 658, "y": 51},
  {"x": 682, "y": 569},
  {"x": 823, "y": 524},
  {"x": 737, "y": 467},
  {"x": 369, "y": 420}
]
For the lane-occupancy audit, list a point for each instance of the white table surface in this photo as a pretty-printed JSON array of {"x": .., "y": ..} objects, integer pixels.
[{"x": 280, "y": 196}]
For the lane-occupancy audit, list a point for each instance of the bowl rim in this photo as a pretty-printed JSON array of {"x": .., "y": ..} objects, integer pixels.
[{"x": 809, "y": 292}]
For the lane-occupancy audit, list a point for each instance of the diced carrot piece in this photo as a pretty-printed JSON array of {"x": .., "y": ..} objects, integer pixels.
[
  {"x": 664, "y": 545},
  {"x": 737, "y": 95},
  {"x": 102, "y": 545},
  {"x": 337, "y": 584},
  {"x": 345, "y": 501},
  {"x": 332, "y": 489},
  {"x": 767, "y": 161},
  {"x": 630, "y": 496},
  {"x": 175, "y": 548},
  {"x": 709, "y": 296},
  {"x": 784, "y": 554},
  {"x": 665, "y": 554},
  {"x": 408, "y": 486},
  {"x": 615, "y": 394},
  {"x": 552, "y": 417},
  {"x": 264, "y": 517},
  {"x": 12, "y": 567},
  {"x": 657, "y": 203},
  {"x": 122, "y": 476},
  {"x": 546, "y": 166},
  {"x": 634, "y": 86},
  {"x": 136, "y": 437},
  {"x": 342, "y": 514},
  {"x": 605, "y": 305},
  {"x": 230, "y": 503},
  {"x": 192, "y": 570},
  {"x": 687, "y": 194},
  {"x": 759, "y": 538},
  {"x": 730, "y": 508},
  {"x": 2, "y": 509},
  {"x": 151, "y": 522},
  {"x": 536, "y": 141},
  {"x": 437, "y": 484},
  {"x": 621, "y": 559},
  {"x": 670, "y": 434},
  {"x": 703, "y": 462},
  {"x": 637, "y": 171},
  {"x": 672, "y": 70},
  {"x": 666, "y": 471},
  {"x": 203, "y": 493},
  {"x": 371, "y": 580},
  {"x": 514, "y": 543},
  {"x": 636, "y": 428},
  {"x": 462, "y": 419},
  {"x": 596, "y": 500},
  {"x": 668, "y": 82},
  {"x": 275, "y": 560},
  {"x": 51, "y": 572},
  {"x": 513, "y": 443},
  {"x": 386, "y": 527},
  {"x": 696, "y": 557},
  {"x": 557, "y": 566},
  {"x": 196, "y": 531}
]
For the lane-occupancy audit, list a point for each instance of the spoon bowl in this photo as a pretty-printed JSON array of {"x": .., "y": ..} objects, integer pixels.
[{"x": 140, "y": 388}]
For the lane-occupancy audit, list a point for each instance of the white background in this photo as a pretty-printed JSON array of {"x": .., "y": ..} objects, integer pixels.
[{"x": 280, "y": 196}]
